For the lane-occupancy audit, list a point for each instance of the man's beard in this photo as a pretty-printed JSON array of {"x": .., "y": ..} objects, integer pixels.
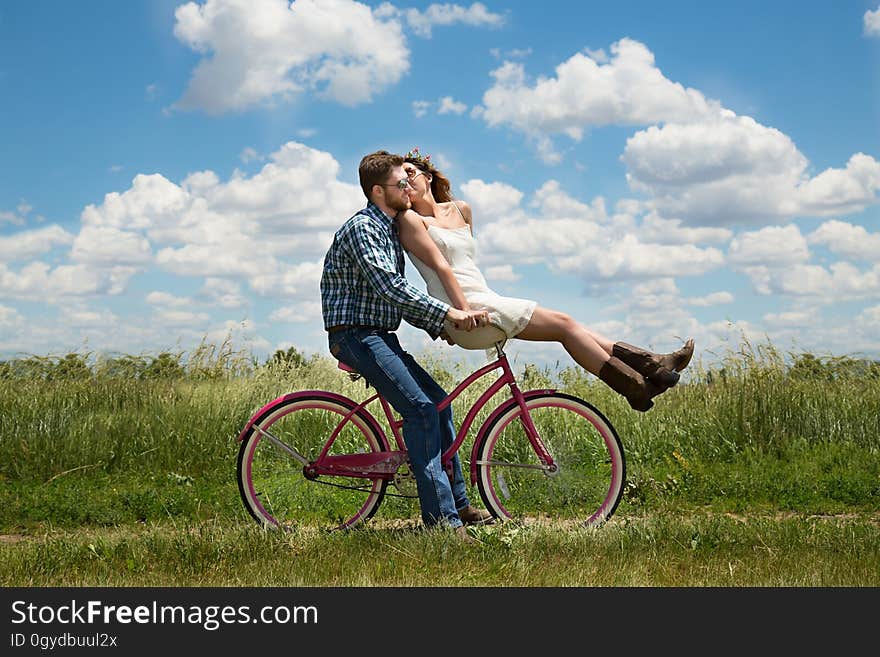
[{"x": 399, "y": 205}]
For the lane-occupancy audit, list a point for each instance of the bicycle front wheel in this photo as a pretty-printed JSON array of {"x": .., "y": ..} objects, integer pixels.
[
  {"x": 586, "y": 480},
  {"x": 273, "y": 482}
]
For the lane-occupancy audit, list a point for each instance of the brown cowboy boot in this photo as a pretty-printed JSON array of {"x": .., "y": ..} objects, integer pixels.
[
  {"x": 624, "y": 380},
  {"x": 473, "y": 516},
  {"x": 461, "y": 533},
  {"x": 680, "y": 359},
  {"x": 661, "y": 369}
]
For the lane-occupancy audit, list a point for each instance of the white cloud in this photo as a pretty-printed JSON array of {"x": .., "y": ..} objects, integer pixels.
[
  {"x": 872, "y": 22},
  {"x": 260, "y": 53},
  {"x": 649, "y": 308},
  {"x": 11, "y": 217},
  {"x": 297, "y": 280},
  {"x": 713, "y": 299},
  {"x": 420, "y": 108},
  {"x": 869, "y": 319},
  {"x": 490, "y": 200},
  {"x": 216, "y": 292},
  {"x": 207, "y": 260},
  {"x": 573, "y": 237},
  {"x": 151, "y": 201},
  {"x": 448, "y": 105},
  {"x": 502, "y": 273},
  {"x": 795, "y": 318},
  {"x": 181, "y": 318},
  {"x": 628, "y": 257},
  {"x": 773, "y": 246},
  {"x": 10, "y": 319},
  {"x": 167, "y": 299},
  {"x": 841, "y": 191},
  {"x": 840, "y": 282},
  {"x": 268, "y": 230},
  {"x": 422, "y": 22},
  {"x": 37, "y": 281},
  {"x": 246, "y": 226},
  {"x": 735, "y": 170},
  {"x": 303, "y": 312},
  {"x": 108, "y": 246},
  {"x": 445, "y": 105},
  {"x": 670, "y": 231},
  {"x": 514, "y": 53},
  {"x": 678, "y": 155},
  {"x": 82, "y": 317},
  {"x": 222, "y": 292},
  {"x": 848, "y": 240},
  {"x": 28, "y": 244},
  {"x": 628, "y": 89},
  {"x": 697, "y": 161},
  {"x": 249, "y": 155},
  {"x": 19, "y": 216}
]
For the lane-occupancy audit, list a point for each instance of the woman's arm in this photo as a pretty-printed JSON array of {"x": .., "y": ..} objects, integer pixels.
[{"x": 415, "y": 239}]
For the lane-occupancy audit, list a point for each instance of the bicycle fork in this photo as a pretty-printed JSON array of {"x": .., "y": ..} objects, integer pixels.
[{"x": 549, "y": 465}]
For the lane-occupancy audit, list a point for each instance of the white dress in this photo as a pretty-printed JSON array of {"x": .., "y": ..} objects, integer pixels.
[{"x": 459, "y": 248}]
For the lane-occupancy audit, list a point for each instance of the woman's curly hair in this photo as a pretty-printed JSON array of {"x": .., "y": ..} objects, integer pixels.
[{"x": 441, "y": 188}]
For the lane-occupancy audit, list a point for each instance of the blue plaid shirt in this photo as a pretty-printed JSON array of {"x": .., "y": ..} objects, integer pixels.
[{"x": 363, "y": 281}]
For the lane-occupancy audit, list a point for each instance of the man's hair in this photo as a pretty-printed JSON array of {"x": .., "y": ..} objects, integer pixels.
[{"x": 375, "y": 169}]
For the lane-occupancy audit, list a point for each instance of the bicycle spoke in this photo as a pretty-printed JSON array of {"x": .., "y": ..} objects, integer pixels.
[
  {"x": 587, "y": 481},
  {"x": 271, "y": 475},
  {"x": 282, "y": 445}
]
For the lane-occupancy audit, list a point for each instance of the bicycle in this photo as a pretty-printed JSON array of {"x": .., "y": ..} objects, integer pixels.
[{"x": 318, "y": 456}]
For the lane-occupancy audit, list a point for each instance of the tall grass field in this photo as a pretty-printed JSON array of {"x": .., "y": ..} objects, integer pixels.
[{"x": 762, "y": 470}]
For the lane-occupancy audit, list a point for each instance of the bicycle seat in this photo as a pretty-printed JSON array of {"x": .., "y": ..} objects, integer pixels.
[
  {"x": 483, "y": 337},
  {"x": 344, "y": 367}
]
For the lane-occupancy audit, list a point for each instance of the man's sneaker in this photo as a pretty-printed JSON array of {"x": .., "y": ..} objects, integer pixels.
[{"x": 472, "y": 516}]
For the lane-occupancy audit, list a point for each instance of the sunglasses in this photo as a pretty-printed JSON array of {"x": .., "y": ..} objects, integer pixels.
[{"x": 401, "y": 184}]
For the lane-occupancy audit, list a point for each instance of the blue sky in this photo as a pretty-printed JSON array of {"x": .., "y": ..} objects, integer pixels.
[{"x": 173, "y": 172}]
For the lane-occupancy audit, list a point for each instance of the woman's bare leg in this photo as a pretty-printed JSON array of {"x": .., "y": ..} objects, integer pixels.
[
  {"x": 606, "y": 344},
  {"x": 588, "y": 348}
]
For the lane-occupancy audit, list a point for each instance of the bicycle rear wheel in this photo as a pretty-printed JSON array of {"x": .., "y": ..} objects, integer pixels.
[
  {"x": 273, "y": 484},
  {"x": 590, "y": 469}
]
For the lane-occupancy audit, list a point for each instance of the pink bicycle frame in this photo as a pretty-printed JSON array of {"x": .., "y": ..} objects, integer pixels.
[
  {"x": 384, "y": 464},
  {"x": 361, "y": 463}
]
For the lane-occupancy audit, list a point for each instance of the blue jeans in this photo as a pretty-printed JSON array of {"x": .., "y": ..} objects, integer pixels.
[{"x": 412, "y": 392}]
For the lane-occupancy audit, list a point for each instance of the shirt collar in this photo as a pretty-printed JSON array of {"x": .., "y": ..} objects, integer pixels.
[{"x": 376, "y": 212}]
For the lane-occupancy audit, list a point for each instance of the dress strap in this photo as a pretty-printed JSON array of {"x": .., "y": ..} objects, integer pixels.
[{"x": 466, "y": 222}]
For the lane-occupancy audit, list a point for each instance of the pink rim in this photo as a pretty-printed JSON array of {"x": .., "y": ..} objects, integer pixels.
[
  {"x": 316, "y": 404},
  {"x": 600, "y": 426}
]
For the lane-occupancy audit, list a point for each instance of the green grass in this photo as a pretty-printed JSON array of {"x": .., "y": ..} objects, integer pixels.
[
  {"x": 697, "y": 550},
  {"x": 761, "y": 471}
]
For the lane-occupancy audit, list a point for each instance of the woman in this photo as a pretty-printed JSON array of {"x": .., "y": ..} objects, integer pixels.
[{"x": 437, "y": 233}]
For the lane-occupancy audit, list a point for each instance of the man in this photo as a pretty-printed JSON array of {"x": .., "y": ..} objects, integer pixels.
[{"x": 364, "y": 296}]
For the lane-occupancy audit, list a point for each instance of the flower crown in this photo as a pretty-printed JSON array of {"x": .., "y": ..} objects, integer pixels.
[{"x": 414, "y": 154}]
